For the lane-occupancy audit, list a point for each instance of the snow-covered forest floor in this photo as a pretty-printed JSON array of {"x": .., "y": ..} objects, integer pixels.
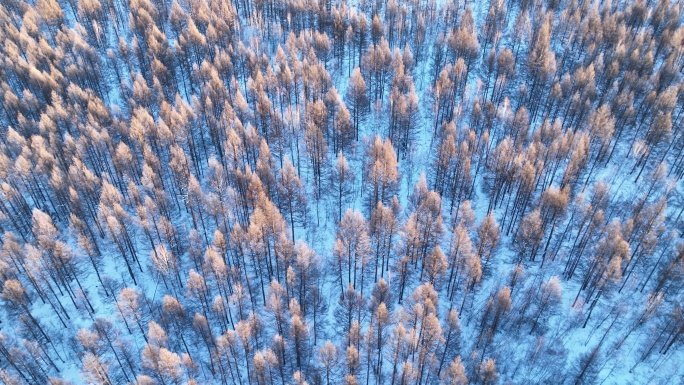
[{"x": 357, "y": 192}]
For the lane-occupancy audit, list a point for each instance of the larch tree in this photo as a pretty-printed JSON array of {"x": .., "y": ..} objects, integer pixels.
[
  {"x": 610, "y": 255},
  {"x": 317, "y": 150},
  {"x": 383, "y": 228},
  {"x": 299, "y": 335},
  {"x": 658, "y": 132},
  {"x": 554, "y": 205},
  {"x": 164, "y": 155},
  {"x": 175, "y": 315},
  {"x": 380, "y": 332},
  {"x": 357, "y": 100},
  {"x": 380, "y": 173},
  {"x": 460, "y": 259},
  {"x": 487, "y": 239},
  {"x": 292, "y": 196},
  {"x": 222, "y": 281},
  {"x": 14, "y": 295},
  {"x": 344, "y": 134},
  {"x": 327, "y": 357},
  {"x": 497, "y": 308},
  {"x": 94, "y": 370},
  {"x": 352, "y": 250},
  {"x": 266, "y": 234},
  {"x": 130, "y": 308},
  {"x": 528, "y": 238},
  {"x": 452, "y": 345},
  {"x": 487, "y": 372},
  {"x": 342, "y": 181},
  {"x": 351, "y": 308},
  {"x": 456, "y": 373},
  {"x": 541, "y": 61},
  {"x": 548, "y": 301},
  {"x": 167, "y": 265}
]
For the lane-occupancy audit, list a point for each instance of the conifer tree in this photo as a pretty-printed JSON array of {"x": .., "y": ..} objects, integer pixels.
[{"x": 357, "y": 100}]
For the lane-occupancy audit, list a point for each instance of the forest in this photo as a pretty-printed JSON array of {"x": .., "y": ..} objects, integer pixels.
[{"x": 358, "y": 192}]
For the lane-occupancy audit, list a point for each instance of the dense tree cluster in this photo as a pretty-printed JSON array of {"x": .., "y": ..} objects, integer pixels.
[{"x": 325, "y": 192}]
